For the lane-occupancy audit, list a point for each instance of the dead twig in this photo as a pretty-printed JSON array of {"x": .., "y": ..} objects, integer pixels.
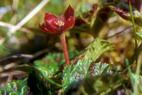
[
  {"x": 8, "y": 25},
  {"x": 118, "y": 33},
  {"x": 29, "y": 16},
  {"x": 25, "y": 56}
]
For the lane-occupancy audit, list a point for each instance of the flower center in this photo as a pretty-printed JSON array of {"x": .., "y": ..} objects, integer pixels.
[{"x": 59, "y": 23}]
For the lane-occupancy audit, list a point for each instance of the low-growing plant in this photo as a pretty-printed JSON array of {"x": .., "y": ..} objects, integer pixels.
[{"x": 95, "y": 68}]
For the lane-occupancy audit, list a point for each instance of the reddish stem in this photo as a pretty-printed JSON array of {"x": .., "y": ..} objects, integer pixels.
[{"x": 65, "y": 50}]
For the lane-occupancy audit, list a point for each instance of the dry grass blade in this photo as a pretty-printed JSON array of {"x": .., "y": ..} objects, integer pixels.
[
  {"x": 29, "y": 16},
  {"x": 7, "y": 25}
]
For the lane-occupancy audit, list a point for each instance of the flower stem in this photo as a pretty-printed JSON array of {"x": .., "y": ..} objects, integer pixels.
[{"x": 65, "y": 50}]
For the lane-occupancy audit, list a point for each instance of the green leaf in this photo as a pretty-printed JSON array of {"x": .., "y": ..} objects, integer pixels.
[
  {"x": 98, "y": 85},
  {"x": 16, "y": 88},
  {"x": 75, "y": 72},
  {"x": 101, "y": 68},
  {"x": 25, "y": 67},
  {"x": 100, "y": 21},
  {"x": 136, "y": 79},
  {"x": 97, "y": 48},
  {"x": 139, "y": 34},
  {"x": 49, "y": 65},
  {"x": 45, "y": 78},
  {"x": 80, "y": 69},
  {"x": 41, "y": 84}
]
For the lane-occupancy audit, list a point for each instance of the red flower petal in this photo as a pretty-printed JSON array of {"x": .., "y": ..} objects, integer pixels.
[
  {"x": 69, "y": 23},
  {"x": 50, "y": 27},
  {"x": 68, "y": 13},
  {"x": 43, "y": 28},
  {"x": 53, "y": 24},
  {"x": 51, "y": 19}
]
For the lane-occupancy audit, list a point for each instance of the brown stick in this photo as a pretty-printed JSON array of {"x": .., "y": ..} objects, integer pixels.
[{"x": 65, "y": 50}]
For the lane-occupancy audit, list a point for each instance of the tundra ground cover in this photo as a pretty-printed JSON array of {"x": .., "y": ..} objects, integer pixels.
[{"x": 88, "y": 47}]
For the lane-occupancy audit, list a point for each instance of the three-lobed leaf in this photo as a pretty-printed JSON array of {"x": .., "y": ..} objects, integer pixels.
[
  {"x": 18, "y": 87},
  {"x": 79, "y": 71},
  {"x": 96, "y": 48},
  {"x": 75, "y": 72}
]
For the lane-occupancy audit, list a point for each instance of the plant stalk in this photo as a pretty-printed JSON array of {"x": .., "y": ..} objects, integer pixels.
[
  {"x": 135, "y": 83},
  {"x": 65, "y": 50}
]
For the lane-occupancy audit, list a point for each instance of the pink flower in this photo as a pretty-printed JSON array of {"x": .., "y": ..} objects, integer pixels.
[{"x": 54, "y": 25}]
